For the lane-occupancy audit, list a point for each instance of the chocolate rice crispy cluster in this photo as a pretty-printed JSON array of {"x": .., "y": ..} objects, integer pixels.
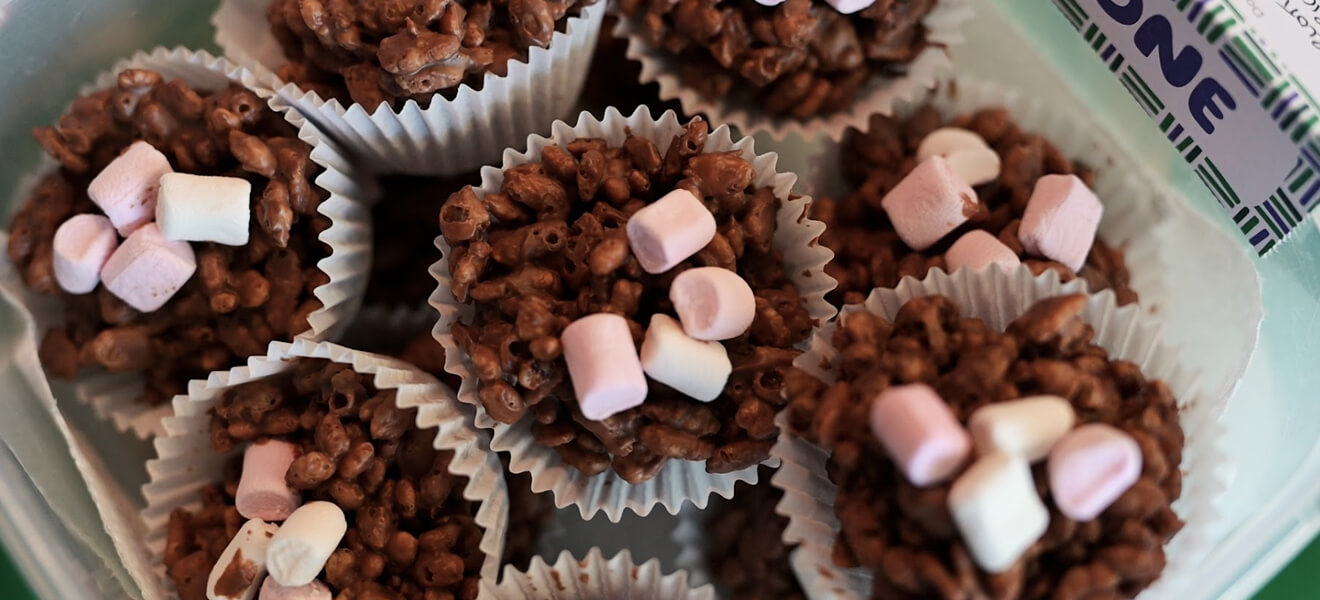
[
  {"x": 411, "y": 534},
  {"x": 745, "y": 547},
  {"x": 240, "y": 298},
  {"x": 799, "y": 59},
  {"x": 390, "y": 51},
  {"x": 868, "y": 252},
  {"x": 550, "y": 248},
  {"x": 905, "y": 534}
]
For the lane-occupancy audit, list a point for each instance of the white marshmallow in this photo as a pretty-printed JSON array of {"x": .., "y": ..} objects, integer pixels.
[
  {"x": 966, "y": 152},
  {"x": 713, "y": 303},
  {"x": 929, "y": 202},
  {"x": 81, "y": 247},
  {"x": 696, "y": 368},
  {"x": 308, "y": 537},
  {"x": 1027, "y": 427},
  {"x": 125, "y": 189},
  {"x": 996, "y": 508},
  {"x": 242, "y": 565},
  {"x": 669, "y": 230},
  {"x": 848, "y": 7},
  {"x": 147, "y": 269},
  {"x": 198, "y": 208}
]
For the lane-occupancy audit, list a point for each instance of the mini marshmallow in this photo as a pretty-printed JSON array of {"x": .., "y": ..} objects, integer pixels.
[
  {"x": 242, "y": 565},
  {"x": 603, "y": 365},
  {"x": 197, "y": 208},
  {"x": 713, "y": 303},
  {"x": 929, "y": 203},
  {"x": 672, "y": 357},
  {"x": 966, "y": 152},
  {"x": 848, "y": 7},
  {"x": 81, "y": 246},
  {"x": 1027, "y": 427},
  {"x": 272, "y": 590},
  {"x": 667, "y": 231},
  {"x": 1061, "y": 219},
  {"x": 919, "y": 432},
  {"x": 770, "y": 2},
  {"x": 300, "y": 548},
  {"x": 977, "y": 249},
  {"x": 263, "y": 492},
  {"x": 126, "y": 189},
  {"x": 147, "y": 269},
  {"x": 1090, "y": 468},
  {"x": 997, "y": 510}
]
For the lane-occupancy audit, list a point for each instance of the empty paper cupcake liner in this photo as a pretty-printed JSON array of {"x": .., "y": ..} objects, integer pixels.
[
  {"x": 1165, "y": 241},
  {"x": 880, "y": 95},
  {"x": 594, "y": 578},
  {"x": 185, "y": 461},
  {"x": 678, "y": 481},
  {"x": 114, "y": 396},
  {"x": 998, "y": 298},
  {"x": 449, "y": 136}
]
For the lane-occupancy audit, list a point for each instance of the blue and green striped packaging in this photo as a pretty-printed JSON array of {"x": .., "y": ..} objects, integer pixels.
[{"x": 1214, "y": 76}]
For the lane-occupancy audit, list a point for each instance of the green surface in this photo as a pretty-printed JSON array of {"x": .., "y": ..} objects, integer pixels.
[
  {"x": 11, "y": 583},
  {"x": 1300, "y": 580}
]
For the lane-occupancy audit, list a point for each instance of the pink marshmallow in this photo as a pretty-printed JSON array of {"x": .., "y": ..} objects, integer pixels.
[
  {"x": 272, "y": 590},
  {"x": 848, "y": 7},
  {"x": 1061, "y": 219},
  {"x": 126, "y": 189},
  {"x": 263, "y": 492},
  {"x": 929, "y": 203},
  {"x": 712, "y": 303},
  {"x": 1090, "y": 468},
  {"x": 977, "y": 249},
  {"x": 603, "y": 365},
  {"x": 667, "y": 231},
  {"x": 920, "y": 433},
  {"x": 147, "y": 269},
  {"x": 81, "y": 246}
]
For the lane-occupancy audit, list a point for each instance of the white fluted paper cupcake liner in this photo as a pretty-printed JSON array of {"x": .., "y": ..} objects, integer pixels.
[
  {"x": 997, "y": 298},
  {"x": 114, "y": 397},
  {"x": 1165, "y": 241},
  {"x": 595, "y": 578},
  {"x": 449, "y": 136},
  {"x": 880, "y": 95},
  {"x": 678, "y": 481},
  {"x": 185, "y": 461}
]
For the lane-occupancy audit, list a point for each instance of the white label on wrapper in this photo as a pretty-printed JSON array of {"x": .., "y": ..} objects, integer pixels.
[
  {"x": 1294, "y": 33},
  {"x": 1243, "y": 124}
]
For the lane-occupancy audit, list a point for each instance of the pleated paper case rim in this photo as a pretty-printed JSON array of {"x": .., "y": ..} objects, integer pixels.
[
  {"x": 450, "y": 136},
  {"x": 1166, "y": 242},
  {"x": 595, "y": 577},
  {"x": 997, "y": 298},
  {"x": 678, "y": 481},
  {"x": 185, "y": 461},
  {"x": 943, "y": 29},
  {"x": 114, "y": 396}
]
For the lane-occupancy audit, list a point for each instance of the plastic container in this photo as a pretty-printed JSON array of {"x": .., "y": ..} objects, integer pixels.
[{"x": 48, "y": 520}]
